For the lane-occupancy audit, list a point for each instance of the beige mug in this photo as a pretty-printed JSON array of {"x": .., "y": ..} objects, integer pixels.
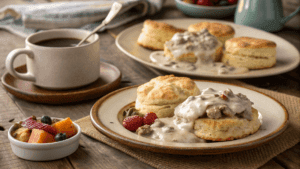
[{"x": 58, "y": 67}]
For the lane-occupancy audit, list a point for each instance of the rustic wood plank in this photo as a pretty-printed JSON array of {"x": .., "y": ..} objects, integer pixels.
[
  {"x": 92, "y": 153},
  {"x": 290, "y": 158},
  {"x": 7, "y": 159},
  {"x": 281, "y": 83},
  {"x": 271, "y": 165},
  {"x": 99, "y": 155}
]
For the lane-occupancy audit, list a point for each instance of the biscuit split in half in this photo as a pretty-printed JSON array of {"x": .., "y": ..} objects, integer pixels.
[
  {"x": 155, "y": 34},
  {"x": 249, "y": 52},
  {"x": 225, "y": 129},
  {"x": 162, "y": 94}
]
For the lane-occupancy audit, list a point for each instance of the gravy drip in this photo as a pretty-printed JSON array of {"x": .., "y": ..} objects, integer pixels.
[
  {"x": 180, "y": 127},
  {"x": 158, "y": 58},
  {"x": 201, "y": 43},
  {"x": 167, "y": 130}
]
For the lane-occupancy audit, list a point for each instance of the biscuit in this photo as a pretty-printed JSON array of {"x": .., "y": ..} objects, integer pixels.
[
  {"x": 249, "y": 52},
  {"x": 225, "y": 129},
  {"x": 155, "y": 34},
  {"x": 191, "y": 46},
  {"x": 162, "y": 94},
  {"x": 221, "y": 31},
  {"x": 192, "y": 58}
]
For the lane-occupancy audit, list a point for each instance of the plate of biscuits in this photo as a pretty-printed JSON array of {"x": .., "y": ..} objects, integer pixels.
[
  {"x": 208, "y": 48},
  {"x": 178, "y": 115}
]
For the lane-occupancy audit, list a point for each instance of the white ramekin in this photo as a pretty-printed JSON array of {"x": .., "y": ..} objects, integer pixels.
[{"x": 44, "y": 151}]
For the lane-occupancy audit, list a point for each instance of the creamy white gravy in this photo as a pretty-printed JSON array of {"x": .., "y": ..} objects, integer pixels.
[
  {"x": 166, "y": 130},
  {"x": 158, "y": 58},
  {"x": 203, "y": 45},
  {"x": 210, "y": 103}
]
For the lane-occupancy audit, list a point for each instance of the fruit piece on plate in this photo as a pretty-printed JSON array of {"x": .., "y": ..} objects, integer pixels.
[
  {"x": 46, "y": 120},
  {"x": 22, "y": 134},
  {"x": 30, "y": 123},
  {"x": 60, "y": 137},
  {"x": 65, "y": 126},
  {"x": 205, "y": 2},
  {"x": 132, "y": 123},
  {"x": 40, "y": 136},
  {"x": 149, "y": 118},
  {"x": 190, "y": 1}
]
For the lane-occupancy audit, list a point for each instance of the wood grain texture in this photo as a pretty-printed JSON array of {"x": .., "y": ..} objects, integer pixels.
[
  {"x": 94, "y": 154},
  {"x": 109, "y": 80},
  {"x": 9, "y": 110}
]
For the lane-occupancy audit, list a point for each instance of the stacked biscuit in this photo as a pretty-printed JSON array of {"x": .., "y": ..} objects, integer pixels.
[
  {"x": 162, "y": 94},
  {"x": 225, "y": 129}
]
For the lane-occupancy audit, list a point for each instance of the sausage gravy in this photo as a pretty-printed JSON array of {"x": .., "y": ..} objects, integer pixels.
[
  {"x": 203, "y": 45},
  {"x": 210, "y": 103}
]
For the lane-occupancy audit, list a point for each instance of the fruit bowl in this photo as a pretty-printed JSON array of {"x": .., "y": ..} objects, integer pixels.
[
  {"x": 201, "y": 11},
  {"x": 44, "y": 151}
]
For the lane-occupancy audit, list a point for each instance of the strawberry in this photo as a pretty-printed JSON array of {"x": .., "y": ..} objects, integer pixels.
[
  {"x": 132, "y": 123},
  {"x": 149, "y": 118},
  {"x": 30, "y": 123},
  {"x": 232, "y": 1},
  {"x": 205, "y": 2}
]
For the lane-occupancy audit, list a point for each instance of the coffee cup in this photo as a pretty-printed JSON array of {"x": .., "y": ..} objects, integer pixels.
[{"x": 54, "y": 62}]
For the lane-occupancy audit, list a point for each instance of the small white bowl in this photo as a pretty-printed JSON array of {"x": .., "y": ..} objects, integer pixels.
[{"x": 44, "y": 151}]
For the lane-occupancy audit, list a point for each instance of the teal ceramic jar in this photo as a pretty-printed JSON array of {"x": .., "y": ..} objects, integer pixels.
[{"x": 262, "y": 14}]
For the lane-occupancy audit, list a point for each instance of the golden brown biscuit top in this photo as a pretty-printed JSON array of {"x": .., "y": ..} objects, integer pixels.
[
  {"x": 247, "y": 42},
  {"x": 166, "y": 90},
  {"x": 216, "y": 29},
  {"x": 162, "y": 26}
]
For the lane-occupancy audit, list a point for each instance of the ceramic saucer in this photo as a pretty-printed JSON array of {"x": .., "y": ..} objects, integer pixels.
[{"x": 110, "y": 78}]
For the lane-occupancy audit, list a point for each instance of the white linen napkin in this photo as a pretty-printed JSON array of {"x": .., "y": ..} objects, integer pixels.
[{"x": 26, "y": 19}]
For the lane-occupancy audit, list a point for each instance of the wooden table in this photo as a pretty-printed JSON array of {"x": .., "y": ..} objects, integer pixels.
[{"x": 92, "y": 153}]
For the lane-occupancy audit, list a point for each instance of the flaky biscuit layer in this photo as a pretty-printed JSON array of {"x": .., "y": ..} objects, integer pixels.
[
  {"x": 155, "y": 34},
  {"x": 161, "y": 111},
  {"x": 226, "y": 128},
  {"x": 250, "y": 62},
  {"x": 251, "y": 47},
  {"x": 162, "y": 94},
  {"x": 166, "y": 90}
]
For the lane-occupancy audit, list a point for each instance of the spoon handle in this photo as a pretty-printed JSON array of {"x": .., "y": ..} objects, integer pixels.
[{"x": 116, "y": 7}]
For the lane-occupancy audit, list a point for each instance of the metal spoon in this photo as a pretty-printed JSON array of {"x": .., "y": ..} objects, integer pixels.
[{"x": 115, "y": 9}]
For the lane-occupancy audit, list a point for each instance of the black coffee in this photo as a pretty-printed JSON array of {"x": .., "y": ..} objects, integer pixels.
[{"x": 61, "y": 42}]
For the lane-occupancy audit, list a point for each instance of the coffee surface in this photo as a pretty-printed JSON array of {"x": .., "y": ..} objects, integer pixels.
[{"x": 60, "y": 42}]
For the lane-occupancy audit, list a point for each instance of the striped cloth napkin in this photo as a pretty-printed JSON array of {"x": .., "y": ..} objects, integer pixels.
[{"x": 26, "y": 19}]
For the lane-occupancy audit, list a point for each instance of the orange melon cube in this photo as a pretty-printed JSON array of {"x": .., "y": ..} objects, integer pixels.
[
  {"x": 65, "y": 126},
  {"x": 40, "y": 136}
]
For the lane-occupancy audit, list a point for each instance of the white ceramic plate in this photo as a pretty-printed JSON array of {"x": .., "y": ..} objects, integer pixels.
[
  {"x": 287, "y": 54},
  {"x": 104, "y": 116}
]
